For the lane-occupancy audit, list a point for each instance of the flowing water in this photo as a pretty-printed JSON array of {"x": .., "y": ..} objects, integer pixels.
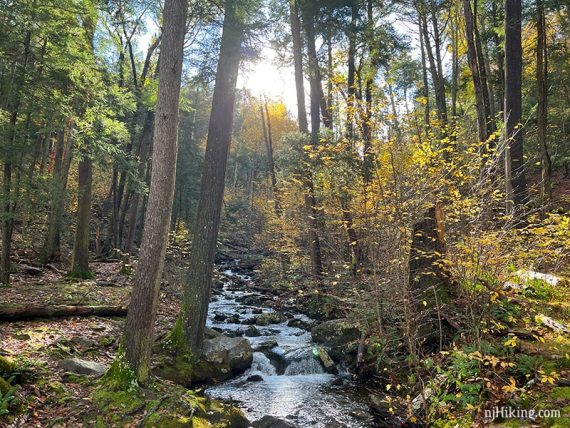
[{"x": 290, "y": 382}]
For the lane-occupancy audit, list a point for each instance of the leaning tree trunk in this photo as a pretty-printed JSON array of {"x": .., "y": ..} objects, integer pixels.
[
  {"x": 205, "y": 236},
  {"x": 514, "y": 161},
  {"x": 80, "y": 259},
  {"x": 146, "y": 285}
]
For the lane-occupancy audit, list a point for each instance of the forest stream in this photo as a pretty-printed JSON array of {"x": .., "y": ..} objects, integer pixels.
[{"x": 286, "y": 380}]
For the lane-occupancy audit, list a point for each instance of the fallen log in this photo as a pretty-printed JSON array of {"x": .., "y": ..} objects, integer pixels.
[{"x": 17, "y": 313}]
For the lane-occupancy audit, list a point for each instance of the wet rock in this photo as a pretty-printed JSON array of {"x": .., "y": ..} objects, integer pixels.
[
  {"x": 82, "y": 367},
  {"x": 272, "y": 422},
  {"x": 219, "y": 317},
  {"x": 210, "y": 333},
  {"x": 266, "y": 346},
  {"x": 252, "y": 331},
  {"x": 297, "y": 323},
  {"x": 337, "y": 382},
  {"x": 257, "y": 311},
  {"x": 255, "y": 378},
  {"x": 234, "y": 333},
  {"x": 222, "y": 357},
  {"x": 327, "y": 361},
  {"x": 249, "y": 321},
  {"x": 270, "y": 318},
  {"x": 234, "y": 319}
]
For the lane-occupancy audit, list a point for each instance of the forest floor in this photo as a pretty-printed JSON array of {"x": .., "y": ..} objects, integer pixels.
[
  {"x": 48, "y": 396},
  {"x": 51, "y": 397}
]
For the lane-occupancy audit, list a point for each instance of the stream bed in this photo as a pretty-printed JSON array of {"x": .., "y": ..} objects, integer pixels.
[{"x": 285, "y": 380}]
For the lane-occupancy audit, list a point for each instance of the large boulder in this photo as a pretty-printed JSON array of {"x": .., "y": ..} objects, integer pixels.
[
  {"x": 221, "y": 357},
  {"x": 335, "y": 333},
  {"x": 82, "y": 367}
]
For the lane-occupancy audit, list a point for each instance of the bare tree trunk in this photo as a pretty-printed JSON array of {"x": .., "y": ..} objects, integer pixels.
[
  {"x": 307, "y": 179},
  {"x": 514, "y": 161},
  {"x": 62, "y": 165},
  {"x": 9, "y": 203},
  {"x": 437, "y": 78},
  {"x": 145, "y": 149},
  {"x": 146, "y": 285},
  {"x": 368, "y": 153},
  {"x": 80, "y": 259},
  {"x": 542, "y": 114},
  {"x": 425, "y": 86},
  {"x": 197, "y": 290},
  {"x": 475, "y": 71},
  {"x": 269, "y": 149},
  {"x": 454, "y": 20},
  {"x": 351, "y": 89}
]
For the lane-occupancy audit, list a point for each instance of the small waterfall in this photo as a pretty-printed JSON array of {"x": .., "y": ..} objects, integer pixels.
[
  {"x": 262, "y": 364},
  {"x": 305, "y": 366}
]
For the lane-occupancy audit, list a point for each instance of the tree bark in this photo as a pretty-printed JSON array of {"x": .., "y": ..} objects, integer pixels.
[
  {"x": 306, "y": 175},
  {"x": 146, "y": 285},
  {"x": 133, "y": 211},
  {"x": 542, "y": 113},
  {"x": 514, "y": 162},
  {"x": 268, "y": 137},
  {"x": 434, "y": 67},
  {"x": 474, "y": 67},
  {"x": 351, "y": 89},
  {"x": 80, "y": 259},
  {"x": 425, "y": 86},
  {"x": 205, "y": 234},
  {"x": 63, "y": 156}
]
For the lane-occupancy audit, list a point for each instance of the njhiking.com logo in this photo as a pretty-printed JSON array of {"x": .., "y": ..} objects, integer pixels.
[{"x": 507, "y": 412}]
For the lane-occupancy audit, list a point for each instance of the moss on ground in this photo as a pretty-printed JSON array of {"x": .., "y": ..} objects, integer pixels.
[{"x": 165, "y": 405}]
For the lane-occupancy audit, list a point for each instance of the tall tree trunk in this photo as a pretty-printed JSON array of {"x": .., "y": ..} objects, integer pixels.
[
  {"x": 205, "y": 235},
  {"x": 145, "y": 149},
  {"x": 9, "y": 203},
  {"x": 368, "y": 153},
  {"x": 454, "y": 21},
  {"x": 351, "y": 87},
  {"x": 425, "y": 86},
  {"x": 80, "y": 258},
  {"x": 146, "y": 285},
  {"x": 472, "y": 58},
  {"x": 514, "y": 162},
  {"x": 306, "y": 175},
  {"x": 266, "y": 123},
  {"x": 435, "y": 66},
  {"x": 62, "y": 164},
  {"x": 542, "y": 113},
  {"x": 497, "y": 17}
]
